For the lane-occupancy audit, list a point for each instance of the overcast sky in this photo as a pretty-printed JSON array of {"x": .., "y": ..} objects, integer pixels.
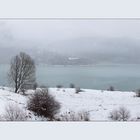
[{"x": 55, "y": 30}]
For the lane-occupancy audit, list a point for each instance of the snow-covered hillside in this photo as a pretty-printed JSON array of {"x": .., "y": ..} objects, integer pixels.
[
  {"x": 98, "y": 103},
  {"x": 7, "y": 97}
]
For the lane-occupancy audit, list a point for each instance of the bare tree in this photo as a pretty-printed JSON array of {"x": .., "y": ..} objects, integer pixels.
[{"x": 22, "y": 71}]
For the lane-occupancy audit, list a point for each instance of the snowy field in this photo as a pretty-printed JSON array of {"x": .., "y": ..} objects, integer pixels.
[{"x": 96, "y": 102}]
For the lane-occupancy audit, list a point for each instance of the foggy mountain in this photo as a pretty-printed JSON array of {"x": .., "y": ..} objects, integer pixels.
[
  {"x": 78, "y": 51},
  {"x": 102, "y": 50}
]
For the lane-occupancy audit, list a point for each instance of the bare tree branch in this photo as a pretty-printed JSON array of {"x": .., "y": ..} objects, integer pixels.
[{"x": 22, "y": 71}]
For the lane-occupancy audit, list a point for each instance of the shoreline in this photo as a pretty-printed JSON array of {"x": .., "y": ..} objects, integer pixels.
[{"x": 65, "y": 88}]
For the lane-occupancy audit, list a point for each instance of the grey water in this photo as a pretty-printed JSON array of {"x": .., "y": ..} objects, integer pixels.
[{"x": 122, "y": 77}]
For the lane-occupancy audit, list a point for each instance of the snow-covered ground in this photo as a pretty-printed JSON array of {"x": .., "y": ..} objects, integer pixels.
[
  {"x": 8, "y": 97},
  {"x": 98, "y": 103}
]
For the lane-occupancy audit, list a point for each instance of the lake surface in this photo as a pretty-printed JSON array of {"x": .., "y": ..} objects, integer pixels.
[{"x": 122, "y": 77}]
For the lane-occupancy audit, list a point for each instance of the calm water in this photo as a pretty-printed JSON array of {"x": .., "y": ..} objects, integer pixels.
[{"x": 122, "y": 77}]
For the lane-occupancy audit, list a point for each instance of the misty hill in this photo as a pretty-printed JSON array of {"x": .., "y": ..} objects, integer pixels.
[
  {"x": 79, "y": 51},
  {"x": 101, "y": 50}
]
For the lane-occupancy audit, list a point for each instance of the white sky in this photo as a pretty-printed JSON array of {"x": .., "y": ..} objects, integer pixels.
[{"x": 55, "y": 30}]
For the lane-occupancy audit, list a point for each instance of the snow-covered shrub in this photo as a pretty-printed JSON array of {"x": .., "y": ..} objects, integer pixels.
[
  {"x": 114, "y": 115},
  {"x": 138, "y": 93},
  {"x": 14, "y": 113},
  {"x": 43, "y": 104},
  {"x": 72, "y": 85},
  {"x": 122, "y": 114},
  {"x": 59, "y": 86},
  {"x": 138, "y": 118},
  {"x": 64, "y": 90},
  {"x": 111, "y": 88},
  {"x": 77, "y": 90},
  {"x": 74, "y": 116}
]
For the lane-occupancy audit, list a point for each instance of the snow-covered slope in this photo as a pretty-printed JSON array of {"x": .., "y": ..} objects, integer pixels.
[
  {"x": 7, "y": 97},
  {"x": 98, "y": 103}
]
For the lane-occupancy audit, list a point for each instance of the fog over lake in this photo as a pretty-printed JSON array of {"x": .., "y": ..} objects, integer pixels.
[{"x": 89, "y": 53}]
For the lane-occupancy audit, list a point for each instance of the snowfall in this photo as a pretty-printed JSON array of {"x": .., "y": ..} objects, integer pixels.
[{"x": 98, "y": 103}]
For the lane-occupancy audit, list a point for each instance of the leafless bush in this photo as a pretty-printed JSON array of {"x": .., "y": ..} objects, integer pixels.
[
  {"x": 73, "y": 116},
  {"x": 43, "y": 104},
  {"x": 122, "y": 114},
  {"x": 77, "y": 90},
  {"x": 114, "y": 115},
  {"x": 72, "y": 85},
  {"x": 59, "y": 86},
  {"x": 64, "y": 90},
  {"x": 14, "y": 113},
  {"x": 138, "y": 118},
  {"x": 138, "y": 93},
  {"x": 111, "y": 88}
]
